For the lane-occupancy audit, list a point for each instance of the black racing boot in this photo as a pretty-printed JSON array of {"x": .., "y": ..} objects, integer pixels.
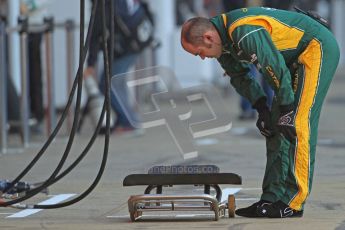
[
  {"x": 278, "y": 210},
  {"x": 251, "y": 211}
]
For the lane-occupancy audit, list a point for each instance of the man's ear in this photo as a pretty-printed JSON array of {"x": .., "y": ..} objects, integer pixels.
[{"x": 208, "y": 37}]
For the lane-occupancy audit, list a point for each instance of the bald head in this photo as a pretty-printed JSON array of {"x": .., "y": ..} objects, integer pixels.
[
  {"x": 194, "y": 29},
  {"x": 200, "y": 38}
]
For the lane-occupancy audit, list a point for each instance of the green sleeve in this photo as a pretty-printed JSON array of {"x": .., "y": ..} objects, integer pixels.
[
  {"x": 240, "y": 78},
  {"x": 255, "y": 44}
]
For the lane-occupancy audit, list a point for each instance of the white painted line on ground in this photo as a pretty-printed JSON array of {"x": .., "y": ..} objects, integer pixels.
[
  {"x": 229, "y": 191},
  {"x": 54, "y": 200}
]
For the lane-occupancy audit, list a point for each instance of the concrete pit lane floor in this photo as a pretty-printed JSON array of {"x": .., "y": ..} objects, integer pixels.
[{"x": 240, "y": 150}]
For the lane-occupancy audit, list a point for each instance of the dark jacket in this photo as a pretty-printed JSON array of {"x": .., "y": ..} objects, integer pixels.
[{"x": 127, "y": 12}]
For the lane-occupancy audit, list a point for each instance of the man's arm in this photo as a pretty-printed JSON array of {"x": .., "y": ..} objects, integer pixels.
[
  {"x": 256, "y": 45},
  {"x": 241, "y": 79},
  {"x": 249, "y": 88}
]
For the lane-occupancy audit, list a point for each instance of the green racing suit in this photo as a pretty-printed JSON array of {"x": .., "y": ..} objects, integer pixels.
[{"x": 298, "y": 57}]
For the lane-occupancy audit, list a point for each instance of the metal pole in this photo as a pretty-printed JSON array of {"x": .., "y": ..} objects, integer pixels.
[
  {"x": 3, "y": 89},
  {"x": 51, "y": 111},
  {"x": 70, "y": 27},
  {"x": 24, "y": 99}
]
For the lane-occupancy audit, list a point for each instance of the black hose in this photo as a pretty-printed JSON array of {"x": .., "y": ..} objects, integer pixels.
[
  {"x": 66, "y": 109},
  {"x": 106, "y": 105},
  {"x": 82, "y": 56},
  {"x": 100, "y": 121},
  {"x": 112, "y": 34},
  {"x": 107, "y": 134}
]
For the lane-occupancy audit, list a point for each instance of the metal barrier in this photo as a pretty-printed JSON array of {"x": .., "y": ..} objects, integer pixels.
[
  {"x": 70, "y": 62},
  {"x": 3, "y": 89},
  {"x": 48, "y": 38},
  {"x": 24, "y": 98},
  {"x": 23, "y": 28}
]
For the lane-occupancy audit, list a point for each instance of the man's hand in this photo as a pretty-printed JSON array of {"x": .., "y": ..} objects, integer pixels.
[
  {"x": 286, "y": 122},
  {"x": 264, "y": 120}
]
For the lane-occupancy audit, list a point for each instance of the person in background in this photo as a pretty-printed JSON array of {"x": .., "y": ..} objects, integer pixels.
[
  {"x": 35, "y": 10},
  {"x": 124, "y": 59}
]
